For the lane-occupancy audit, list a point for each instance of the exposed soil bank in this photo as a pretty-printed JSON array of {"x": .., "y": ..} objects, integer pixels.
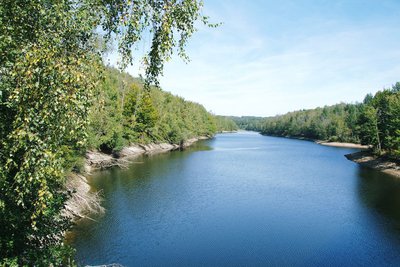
[
  {"x": 367, "y": 159},
  {"x": 83, "y": 201},
  {"x": 96, "y": 160},
  {"x": 340, "y": 144}
]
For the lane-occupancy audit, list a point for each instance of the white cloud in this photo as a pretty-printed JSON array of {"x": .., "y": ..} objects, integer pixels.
[{"x": 248, "y": 67}]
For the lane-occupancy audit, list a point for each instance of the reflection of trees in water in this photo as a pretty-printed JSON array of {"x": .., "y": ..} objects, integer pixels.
[{"x": 380, "y": 192}]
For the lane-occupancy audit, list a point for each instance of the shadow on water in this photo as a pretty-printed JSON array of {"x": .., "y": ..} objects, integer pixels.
[
  {"x": 244, "y": 199},
  {"x": 139, "y": 175},
  {"x": 380, "y": 192}
]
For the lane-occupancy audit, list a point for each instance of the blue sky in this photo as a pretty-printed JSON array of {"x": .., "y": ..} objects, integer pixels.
[{"x": 271, "y": 57}]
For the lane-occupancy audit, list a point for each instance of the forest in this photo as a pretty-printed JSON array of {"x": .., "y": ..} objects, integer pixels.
[
  {"x": 375, "y": 122},
  {"x": 57, "y": 99},
  {"x": 124, "y": 113},
  {"x": 249, "y": 123},
  {"x": 226, "y": 124}
]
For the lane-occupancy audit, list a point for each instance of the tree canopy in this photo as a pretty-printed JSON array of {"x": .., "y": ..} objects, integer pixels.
[
  {"x": 50, "y": 65},
  {"x": 118, "y": 119}
]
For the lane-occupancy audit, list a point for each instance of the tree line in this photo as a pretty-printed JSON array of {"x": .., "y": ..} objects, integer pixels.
[
  {"x": 226, "y": 124},
  {"x": 249, "y": 123},
  {"x": 375, "y": 122}
]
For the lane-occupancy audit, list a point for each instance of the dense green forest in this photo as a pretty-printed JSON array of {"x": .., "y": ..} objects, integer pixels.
[
  {"x": 124, "y": 112},
  {"x": 333, "y": 123},
  {"x": 249, "y": 123},
  {"x": 375, "y": 122},
  {"x": 56, "y": 101},
  {"x": 226, "y": 124}
]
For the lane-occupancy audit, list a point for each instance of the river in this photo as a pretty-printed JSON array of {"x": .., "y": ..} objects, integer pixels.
[{"x": 244, "y": 199}]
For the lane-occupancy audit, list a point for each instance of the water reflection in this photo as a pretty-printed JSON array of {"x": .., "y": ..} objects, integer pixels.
[
  {"x": 380, "y": 192},
  {"x": 225, "y": 203}
]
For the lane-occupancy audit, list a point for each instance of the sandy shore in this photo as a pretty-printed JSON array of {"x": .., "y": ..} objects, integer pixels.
[
  {"x": 365, "y": 158},
  {"x": 339, "y": 144}
]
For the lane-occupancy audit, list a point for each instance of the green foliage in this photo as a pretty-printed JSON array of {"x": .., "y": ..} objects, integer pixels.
[
  {"x": 375, "y": 122},
  {"x": 379, "y": 122},
  {"x": 145, "y": 114},
  {"x": 225, "y": 124},
  {"x": 249, "y": 123},
  {"x": 368, "y": 130},
  {"x": 181, "y": 119},
  {"x": 44, "y": 103},
  {"x": 334, "y": 123},
  {"x": 49, "y": 69},
  {"x": 105, "y": 115},
  {"x": 169, "y": 25},
  {"x": 125, "y": 112}
]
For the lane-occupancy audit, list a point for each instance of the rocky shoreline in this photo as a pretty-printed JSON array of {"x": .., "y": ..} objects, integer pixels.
[
  {"x": 85, "y": 202},
  {"x": 96, "y": 160},
  {"x": 367, "y": 159}
]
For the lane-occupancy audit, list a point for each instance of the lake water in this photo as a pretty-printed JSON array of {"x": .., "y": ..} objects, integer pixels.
[{"x": 244, "y": 200}]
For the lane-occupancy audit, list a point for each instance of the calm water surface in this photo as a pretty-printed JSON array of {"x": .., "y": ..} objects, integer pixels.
[{"x": 244, "y": 200}]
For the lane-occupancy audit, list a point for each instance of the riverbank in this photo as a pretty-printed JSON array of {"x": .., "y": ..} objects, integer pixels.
[
  {"x": 96, "y": 160},
  {"x": 367, "y": 159},
  {"x": 166, "y": 209},
  {"x": 235, "y": 131},
  {"x": 85, "y": 202},
  {"x": 344, "y": 145},
  {"x": 325, "y": 143}
]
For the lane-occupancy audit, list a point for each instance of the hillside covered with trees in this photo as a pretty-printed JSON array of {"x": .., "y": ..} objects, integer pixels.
[
  {"x": 375, "y": 122},
  {"x": 57, "y": 100},
  {"x": 124, "y": 113},
  {"x": 249, "y": 123},
  {"x": 333, "y": 123},
  {"x": 226, "y": 124}
]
